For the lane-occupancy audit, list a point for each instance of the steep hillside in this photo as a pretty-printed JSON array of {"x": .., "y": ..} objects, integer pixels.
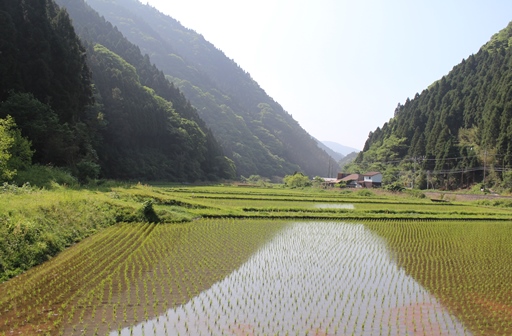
[
  {"x": 175, "y": 143},
  {"x": 145, "y": 135},
  {"x": 252, "y": 128},
  {"x": 455, "y": 133},
  {"x": 87, "y": 109},
  {"x": 45, "y": 84}
]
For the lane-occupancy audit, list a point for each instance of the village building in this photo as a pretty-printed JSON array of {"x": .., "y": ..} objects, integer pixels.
[{"x": 367, "y": 180}]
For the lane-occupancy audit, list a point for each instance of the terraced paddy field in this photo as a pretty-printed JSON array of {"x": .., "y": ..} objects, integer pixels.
[{"x": 272, "y": 262}]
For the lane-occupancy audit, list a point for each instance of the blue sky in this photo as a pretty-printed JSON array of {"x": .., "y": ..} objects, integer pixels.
[{"x": 341, "y": 67}]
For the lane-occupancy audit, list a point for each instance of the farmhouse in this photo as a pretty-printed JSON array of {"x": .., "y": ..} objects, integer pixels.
[
  {"x": 367, "y": 180},
  {"x": 372, "y": 180}
]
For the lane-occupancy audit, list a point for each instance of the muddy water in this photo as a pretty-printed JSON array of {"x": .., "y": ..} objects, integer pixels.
[{"x": 313, "y": 278}]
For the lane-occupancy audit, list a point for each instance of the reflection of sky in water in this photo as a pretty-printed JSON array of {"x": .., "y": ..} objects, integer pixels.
[
  {"x": 334, "y": 206},
  {"x": 321, "y": 278}
]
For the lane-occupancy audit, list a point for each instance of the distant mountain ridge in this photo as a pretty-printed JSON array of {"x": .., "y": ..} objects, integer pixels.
[
  {"x": 339, "y": 148},
  {"x": 335, "y": 155},
  {"x": 253, "y": 130}
]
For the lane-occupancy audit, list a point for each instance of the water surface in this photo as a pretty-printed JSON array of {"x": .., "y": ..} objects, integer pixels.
[
  {"x": 320, "y": 278},
  {"x": 334, "y": 206}
]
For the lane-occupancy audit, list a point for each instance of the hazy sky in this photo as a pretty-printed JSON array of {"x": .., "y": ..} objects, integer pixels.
[{"x": 341, "y": 67}]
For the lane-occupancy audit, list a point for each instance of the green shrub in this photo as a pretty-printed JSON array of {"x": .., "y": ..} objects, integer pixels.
[
  {"x": 7, "y": 188},
  {"x": 87, "y": 170},
  {"x": 297, "y": 180},
  {"x": 394, "y": 187},
  {"x": 365, "y": 193},
  {"x": 147, "y": 213},
  {"x": 415, "y": 193}
]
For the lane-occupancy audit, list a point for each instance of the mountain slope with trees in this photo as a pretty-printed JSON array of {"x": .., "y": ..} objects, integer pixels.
[
  {"x": 254, "y": 131},
  {"x": 84, "y": 107},
  {"x": 457, "y": 132},
  {"x": 45, "y": 86}
]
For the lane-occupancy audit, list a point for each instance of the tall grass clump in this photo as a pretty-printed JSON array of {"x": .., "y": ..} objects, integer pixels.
[
  {"x": 365, "y": 193},
  {"x": 147, "y": 213}
]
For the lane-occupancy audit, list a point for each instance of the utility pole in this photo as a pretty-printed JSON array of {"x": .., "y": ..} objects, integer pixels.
[
  {"x": 413, "y": 171},
  {"x": 485, "y": 166}
]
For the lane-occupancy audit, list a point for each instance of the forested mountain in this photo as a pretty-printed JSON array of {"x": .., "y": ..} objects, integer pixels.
[
  {"x": 251, "y": 127},
  {"x": 456, "y": 132},
  {"x": 45, "y": 84},
  {"x": 86, "y": 107}
]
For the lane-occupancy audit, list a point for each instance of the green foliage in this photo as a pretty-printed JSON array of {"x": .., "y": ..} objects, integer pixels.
[
  {"x": 147, "y": 214},
  {"x": 499, "y": 41},
  {"x": 87, "y": 171},
  {"x": 506, "y": 181},
  {"x": 394, "y": 187},
  {"x": 31, "y": 235},
  {"x": 7, "y": 188},
  {"x": 15, "y": 152},
  {"x": 6, "y": 143},
  {"x": 297, "y": 180},
  {"x": 415, "y": 193},
  {"x": 365, "y": 193},
  {"x": 47, "y": 177},
  {"x": 500, "y": 203},
  {"x": 256, "y": 180},
  {"x": 317, "y": 181}
]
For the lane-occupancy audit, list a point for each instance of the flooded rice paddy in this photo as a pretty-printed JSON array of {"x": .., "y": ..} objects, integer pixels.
[
  {"x": 321, "y": 278},
  {"x": 272, "y": 277}
]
